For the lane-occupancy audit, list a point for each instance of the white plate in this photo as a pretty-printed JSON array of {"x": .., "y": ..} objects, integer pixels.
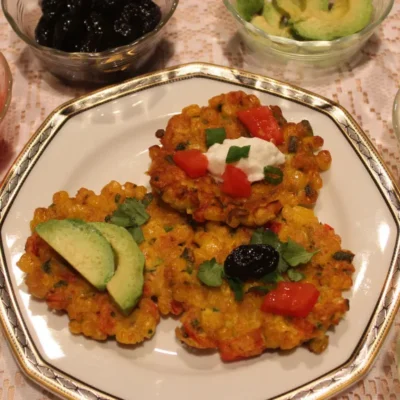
[{"x": 105, "y": 136}]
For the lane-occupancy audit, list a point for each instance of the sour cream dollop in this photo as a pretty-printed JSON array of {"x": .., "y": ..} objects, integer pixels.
[{"x": 262, "y": 154}]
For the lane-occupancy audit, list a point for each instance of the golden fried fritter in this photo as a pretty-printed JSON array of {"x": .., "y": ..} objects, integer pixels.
[
  {"x": 93, "y": 313},
  {"x": 202, "y": 197},
  {"x": 213, "y": 319},
  {"x": 174, "y": 248}
]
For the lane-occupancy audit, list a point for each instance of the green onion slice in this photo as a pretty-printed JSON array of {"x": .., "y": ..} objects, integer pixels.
[
  {"x": 273, "y": 175},
  {"x": 215, "y": 135},
  {"x": 235, "y": 153}
]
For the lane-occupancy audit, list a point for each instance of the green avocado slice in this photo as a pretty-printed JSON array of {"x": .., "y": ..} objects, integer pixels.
[
  {"x": 82, "y": 246},
  {"x": 126, "y": 286},
  {"x": 247, "y": 8},
  {"x": 271, "y": 21},
  {"x": 345, "y": 18}
]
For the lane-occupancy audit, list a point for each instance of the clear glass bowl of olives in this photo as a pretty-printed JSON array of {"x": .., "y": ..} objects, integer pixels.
[{"x": 91, "y": 41}]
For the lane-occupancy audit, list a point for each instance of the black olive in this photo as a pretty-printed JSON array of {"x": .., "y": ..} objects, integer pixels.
[
  {"x": 251, "y": 261},
  {"x": 44, "y": 31},
  {"x": 95, "y": 25}
]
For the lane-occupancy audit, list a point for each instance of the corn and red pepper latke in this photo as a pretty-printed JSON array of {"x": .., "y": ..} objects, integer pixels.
[
  {"x": 202, "y": 197},
  {"x": 176, "y": 244}
]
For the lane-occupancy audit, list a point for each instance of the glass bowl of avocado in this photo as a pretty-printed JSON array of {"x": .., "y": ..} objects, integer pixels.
[{"x": 315, "y": 32}]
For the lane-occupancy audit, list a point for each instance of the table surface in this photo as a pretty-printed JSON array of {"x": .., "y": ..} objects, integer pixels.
[{"x": 366, "y": 89}]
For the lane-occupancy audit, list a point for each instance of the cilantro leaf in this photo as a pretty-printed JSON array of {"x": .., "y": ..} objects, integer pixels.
[
  {"x": 135, "y": 210},
  {"x": 215, "y": 135},
  {"x": 295, "y": 254},
  {"x": 282, "y": 265},
  {"x": 295, "y": 275},
  {"x": 136, "y": 233},
  {"x": 272, "y": 277},
  {"x": 236, "y": 286},
  {"x": 235, "y": 153},
  {"x": 210, "y": 273},
  {"x": 259, "y": 289},
  {"x": 147, "y": 199},
  {"x": 131, "y": 214},
  {"x": 266, "y": 237}
]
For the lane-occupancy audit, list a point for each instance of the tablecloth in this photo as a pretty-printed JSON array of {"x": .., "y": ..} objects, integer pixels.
[{"x": 204, "y": 31}]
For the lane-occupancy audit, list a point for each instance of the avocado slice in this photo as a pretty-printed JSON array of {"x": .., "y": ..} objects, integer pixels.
[
  {"x": 83, "y": 246},
  {"x": 271, "y": 21},
  {"x": 126, "y": 286},
  {"x": 299, "y": 10},
  {"x": 345, "y": 18},
  {"x": 247, "y": 8}
]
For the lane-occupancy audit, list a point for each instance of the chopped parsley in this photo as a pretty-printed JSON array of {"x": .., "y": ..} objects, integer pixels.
[
  {"x": 168, "y": 228},
  {"x": 235, "y": 153}
]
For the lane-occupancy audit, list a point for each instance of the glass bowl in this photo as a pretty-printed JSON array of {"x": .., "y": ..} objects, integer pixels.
[
  {"x": 396, "y": 115},
  {"x": 314, "y": 53},
  {"x": 103, "y": 67},
  {"x": 5, "y": 87}
]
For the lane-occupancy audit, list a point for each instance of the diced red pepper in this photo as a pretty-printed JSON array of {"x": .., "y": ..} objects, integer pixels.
[
  {"x": 262, "y": 124},
  {"x": 193, "y": 162},
  {"x": 291, "y": 299},
  {"x": 235, "y": 182},
  {"x": 328, "y": 227},
  {"x": 274, "y": 226}
]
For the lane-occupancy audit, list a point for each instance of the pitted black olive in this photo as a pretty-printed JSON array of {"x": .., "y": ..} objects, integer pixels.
[{"x": 251, "y": 261}]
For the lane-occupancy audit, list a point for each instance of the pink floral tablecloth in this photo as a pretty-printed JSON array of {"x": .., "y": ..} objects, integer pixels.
[{"x": 204, "y": 31}]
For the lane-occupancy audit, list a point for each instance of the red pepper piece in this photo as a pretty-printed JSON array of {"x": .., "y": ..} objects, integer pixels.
[
  {"x": 274, "y": 226},
  {"x": 235, "y": 182},
  {"x": 291, "y": 299},
  {"x": 193, "y": 162},
  {"x": 261, "y": 123}
]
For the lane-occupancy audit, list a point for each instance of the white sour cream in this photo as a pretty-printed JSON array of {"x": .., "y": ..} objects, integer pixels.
[{"x": 262, "y": 154}]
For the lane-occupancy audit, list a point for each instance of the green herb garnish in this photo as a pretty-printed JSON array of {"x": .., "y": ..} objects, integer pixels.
[
  {"x": 169, "y": 159},
  {"x": 168, "y": 228},
  {"x": 295, "y": 254},
  {"x": 259, "y": 289},
  {"x": 291, "y": 254},
  {"x": 215, "y": 135},
  {"x": 273, "y": 175},
  {"x": 236, "y": 286},
  {"x": 210, "y": 273},
  {"x": 295, "y": 275},
  {"x": 46, "y": 266},
  {"x": 343, "y": 256},
  {"x": 131, "y": 214},
  {"x": 136, "y": 233},
  {"x": 61, "y": 283},
  {"x": 293, "y": 144},
  {"x": 235, "y": 153},
  {"x": 147, "y": 199},
  {"x": 272, "y": 277}
]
